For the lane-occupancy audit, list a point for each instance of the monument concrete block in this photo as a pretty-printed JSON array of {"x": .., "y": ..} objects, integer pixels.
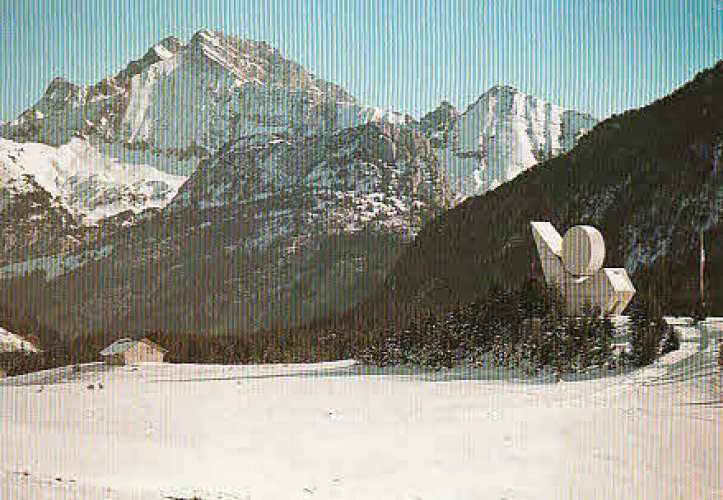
[{"x": 574, "y": 264}]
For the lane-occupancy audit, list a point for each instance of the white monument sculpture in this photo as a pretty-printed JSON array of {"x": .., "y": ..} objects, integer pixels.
[{"x": 574, "y": 264}]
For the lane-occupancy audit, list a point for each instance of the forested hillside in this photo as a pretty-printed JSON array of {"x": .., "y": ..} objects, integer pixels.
[{"x": 649, "y": 179}]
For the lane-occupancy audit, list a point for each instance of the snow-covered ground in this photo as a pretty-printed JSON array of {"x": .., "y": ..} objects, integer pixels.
[{"x": 347, "y": 432}]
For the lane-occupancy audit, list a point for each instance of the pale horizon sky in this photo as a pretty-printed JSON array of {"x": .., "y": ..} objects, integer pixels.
[{"x": 595, "y": 56}]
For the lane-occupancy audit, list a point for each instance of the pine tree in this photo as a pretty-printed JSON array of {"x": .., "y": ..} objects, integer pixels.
[
  {"x": 607, "y": 332},
  {"x": 671, "y": 342},
  {"x": 645, "y": 334}
]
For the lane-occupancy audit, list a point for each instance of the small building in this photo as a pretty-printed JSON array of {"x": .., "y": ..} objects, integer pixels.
[{"x": 128, "y": 351}]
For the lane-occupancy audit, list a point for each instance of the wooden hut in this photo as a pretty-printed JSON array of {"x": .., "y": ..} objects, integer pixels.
[{"x": 128, "y": 351}]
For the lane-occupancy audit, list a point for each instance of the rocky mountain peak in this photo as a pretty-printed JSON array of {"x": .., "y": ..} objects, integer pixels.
[
  {"x": 171, "y": 43},
  {"x": 164, "y": 49},
  {"x": 60, "y": 92},
  {"x": 59, "y": 83},
  {"x": 441, "y": 119},
  {"x": 202, "y": 36},
  {"x": 501, "y": 134},
  {"x": 498, "y": 93},
  {"x": 503, "y": 89}
]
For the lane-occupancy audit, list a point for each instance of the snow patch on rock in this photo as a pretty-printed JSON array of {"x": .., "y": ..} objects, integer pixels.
[{"x": 90, "y": 183}]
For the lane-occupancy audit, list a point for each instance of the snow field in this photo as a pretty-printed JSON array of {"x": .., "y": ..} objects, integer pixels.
[{"x": 338, "y": 431}]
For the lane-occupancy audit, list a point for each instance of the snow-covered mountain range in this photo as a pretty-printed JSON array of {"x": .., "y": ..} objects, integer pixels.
[
  {"x": 180, "y": 103},
  {"x": 217, "y": 186},
  {"x": 182, "y": 100},
  {"x": 163, "y": 113}
]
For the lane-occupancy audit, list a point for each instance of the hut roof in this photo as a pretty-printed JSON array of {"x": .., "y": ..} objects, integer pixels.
[
  {"x": 123, "y": 345},
  {"x": 10, "y": 342},
  {"x": 153, "y": 344}
]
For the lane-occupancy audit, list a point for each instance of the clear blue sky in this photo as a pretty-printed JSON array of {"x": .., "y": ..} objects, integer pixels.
[{"x": 598, "y": 56}]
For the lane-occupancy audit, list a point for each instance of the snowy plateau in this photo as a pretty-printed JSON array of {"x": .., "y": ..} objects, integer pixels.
[{"x": 339, "y": 430}]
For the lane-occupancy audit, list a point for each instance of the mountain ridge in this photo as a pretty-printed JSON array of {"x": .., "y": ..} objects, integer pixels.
[{"x": 251, "y": 242}]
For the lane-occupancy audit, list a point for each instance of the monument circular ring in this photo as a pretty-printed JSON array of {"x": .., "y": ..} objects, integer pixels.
[{"x": 583, "y": 250}]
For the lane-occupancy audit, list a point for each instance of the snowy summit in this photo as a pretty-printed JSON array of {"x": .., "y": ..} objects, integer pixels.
[{"x": 503, "y": 133}]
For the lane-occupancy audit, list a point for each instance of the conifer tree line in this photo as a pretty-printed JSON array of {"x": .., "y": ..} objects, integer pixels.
[{"x": 523, "y": 328}]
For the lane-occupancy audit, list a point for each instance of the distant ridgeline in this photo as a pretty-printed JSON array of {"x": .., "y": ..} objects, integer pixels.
[{"x": 649, "y": 179}]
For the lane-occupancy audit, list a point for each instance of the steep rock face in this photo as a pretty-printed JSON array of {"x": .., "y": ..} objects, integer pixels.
[
  {"x": 438, "y": 123},
  {"x": 649, "y": 179},
  {"x": 184, "y": 101},
  {"x": 500, "y": 135},
  {"x": 261, "y": 235},
  {"x": 365, "y": 165}
]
